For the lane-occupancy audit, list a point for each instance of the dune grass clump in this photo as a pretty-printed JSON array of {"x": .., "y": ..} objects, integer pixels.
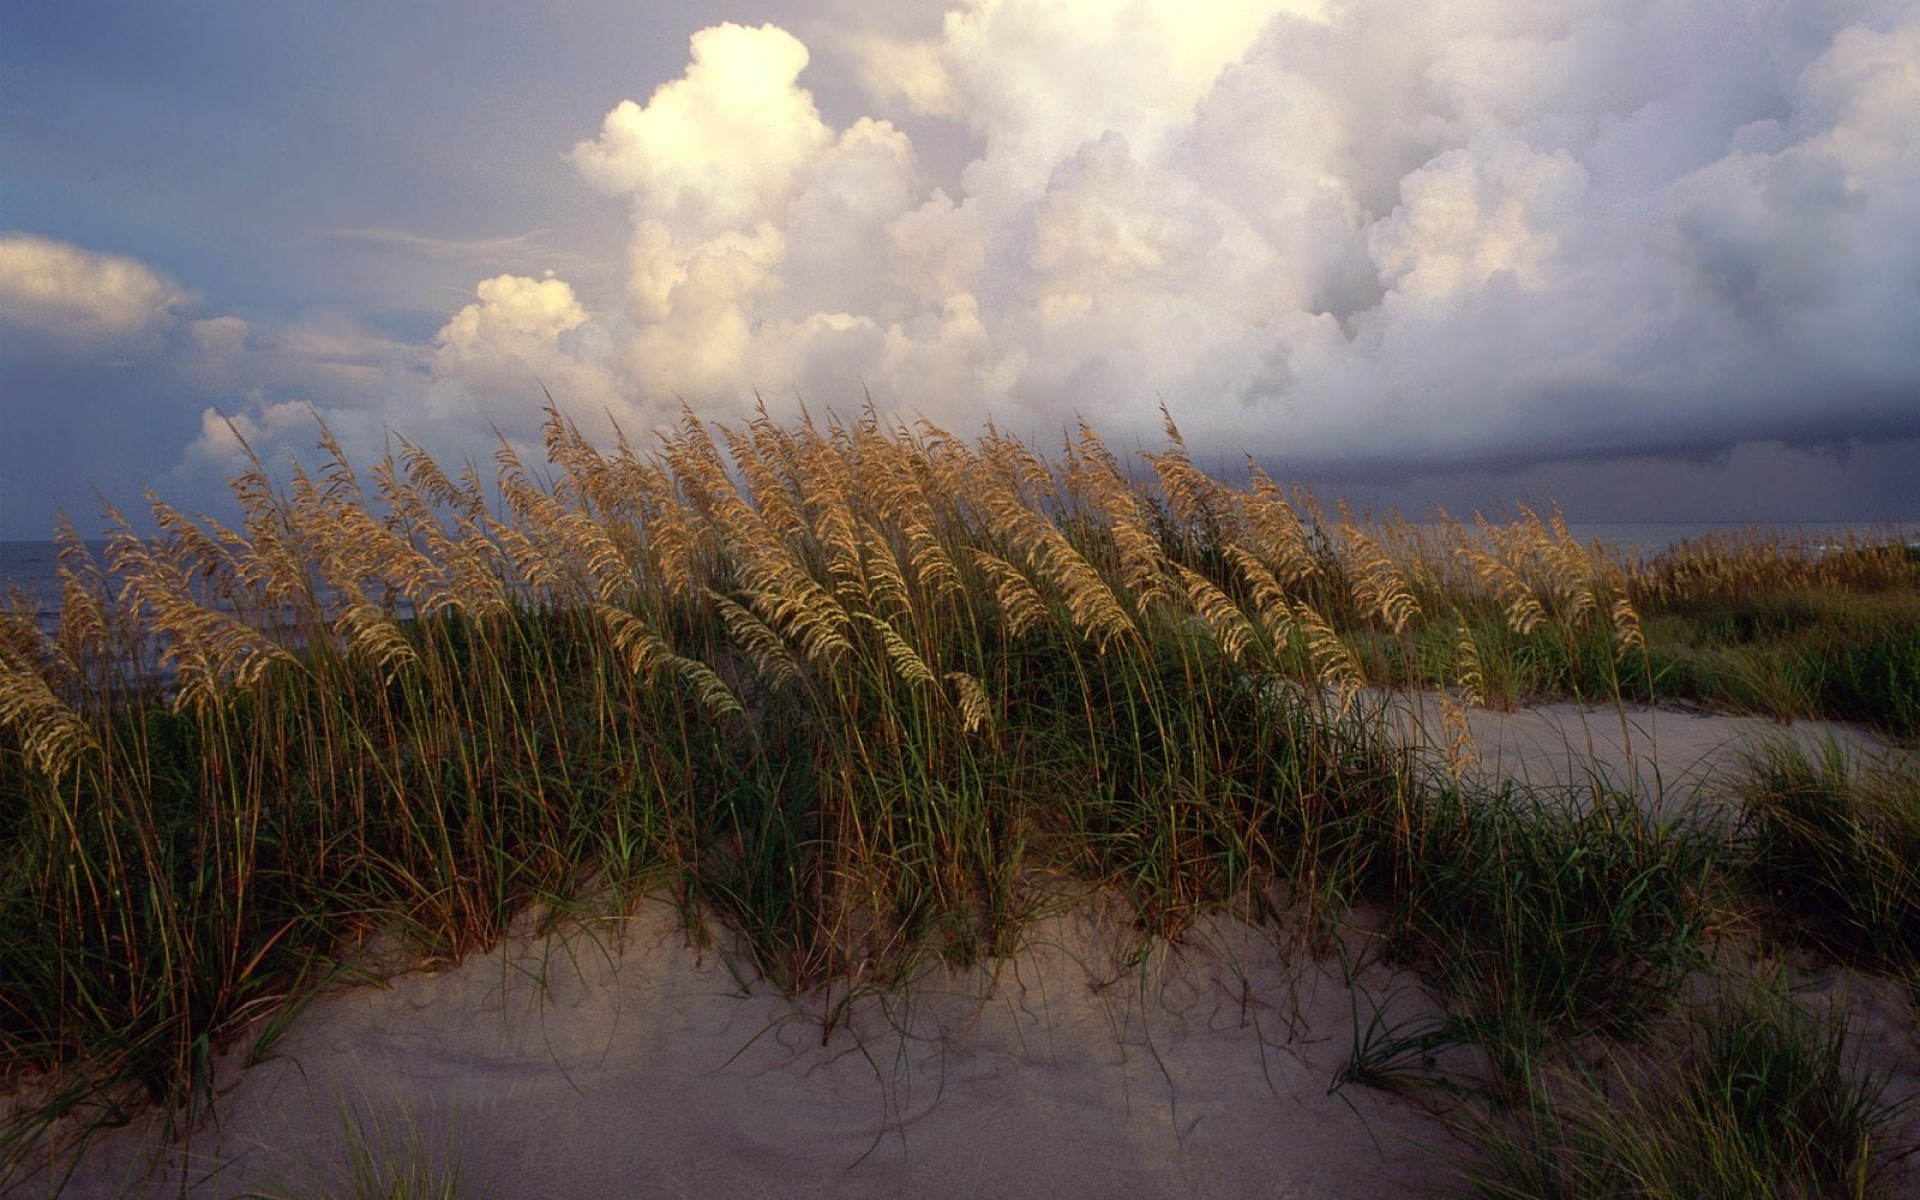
[
  {"x": 1834, "y": 846},
  {"x": 1541, "y": 916},
  {"x": 849, "y": 690},
  {"x": 1788, "y": 627},
  {"x": 1766, "y": 1099}
]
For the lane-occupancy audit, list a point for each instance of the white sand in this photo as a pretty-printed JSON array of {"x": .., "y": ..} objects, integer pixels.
[
  {"x": 619, "y": 1062},
  {"x": 651, "y": 1073},
  {"x": 1670, "y": 758}
]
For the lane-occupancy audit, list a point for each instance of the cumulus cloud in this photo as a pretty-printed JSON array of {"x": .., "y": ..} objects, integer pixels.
[
  {"x": 63, "y": 292},
  {"x": 1473, "y": 232},
  {"x": 522, "y": 335},
  {"x": 720, "y": 146},
  {"x": 226, "y": 439},
  {"x": 272, "y": 386}
]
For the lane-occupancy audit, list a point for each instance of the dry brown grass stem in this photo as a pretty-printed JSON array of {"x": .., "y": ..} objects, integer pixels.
[
  {"x": 1274, "y": 531},
  {"x": 1335, "y": 668},
  {"x": 765, "y": 648},
  {"x": 1021, "y": 605},
  {"x": 1198, "y": 501},
  {"x": 976, "y": 710},
  {"x": 1376, "y": 581},
  {"x": 1522, "y": 610},
  {"x": 1229, "y": 625},
  {"x": 52, "y": 735},
  {"x": 208, "y": 649}
]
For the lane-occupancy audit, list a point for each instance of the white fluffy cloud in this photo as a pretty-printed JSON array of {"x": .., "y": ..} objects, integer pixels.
[
  {"x": 63, "y": 292},
  {"x": 1471, "y": 231},
  {"x": 492, "y": 360}
]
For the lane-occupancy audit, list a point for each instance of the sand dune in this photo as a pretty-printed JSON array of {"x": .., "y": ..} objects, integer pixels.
[
  {"x": 617, "y": 1060},
  {"x": 578, "y": 1066}
]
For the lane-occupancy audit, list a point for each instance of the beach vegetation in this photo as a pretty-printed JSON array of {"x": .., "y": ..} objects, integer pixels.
[{"x": 855, "y": 693}]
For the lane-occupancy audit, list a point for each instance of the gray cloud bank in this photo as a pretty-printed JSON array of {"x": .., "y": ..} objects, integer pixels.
[
  {"x": 1356, "y": 236},
  {"x": 1477, "y": 232}
]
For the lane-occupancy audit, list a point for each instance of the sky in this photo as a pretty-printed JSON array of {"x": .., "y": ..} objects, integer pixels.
[{"x": 1655, "y": 259}]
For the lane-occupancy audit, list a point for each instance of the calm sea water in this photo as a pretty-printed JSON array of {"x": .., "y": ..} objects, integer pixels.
[{"x": 30, "y": 567}]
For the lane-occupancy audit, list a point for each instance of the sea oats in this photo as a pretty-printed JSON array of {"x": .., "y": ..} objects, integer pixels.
[
  {"x": 1198, "y": 501},
  {"x": 638, "y": 646},
  {"x": 426, "y": 476},
  {"x": 649, "y": 658},
  {"x": 767, "y": 485},
  {"x": 1274, "y": 529},
  {"x": 774, "y": 443},
  {"x": 933, "y": 568},
  {"x": 1095, "y": 476},
  {"x": 672, "y": 542},
  {"x": 1375, "y": 580},
  {"x": 1270, "y": 599},
  {"x": 976, "y": 711},
  {"x": 907, "y": 663},
  {"x": 1334, "y": 665},
  {"x": 375, "y": 636},
  {"x": 534, "y": 566},
  {"x": 1229, "y": 625},
  {"x": 1091, "y": 604},
  {"x": 53, "y": 737},
  {"x": 711, "y": 690},
  {"x": 20, "y": 632},
  {"x": 1521, "y": 608},
  {"x": 834, "y": 528},
  {"x": 1018, "y": 468},
  {"x": 764, "y": 647},
  {"x": 887, "y": 588},
  {"x": 804, "y": 611},
  {"x": 1462, "y": 752},
  {"x": 1575, "y": 582},
  {"x": 208, "y": 649},
  {"x": 1627, "y": 631},
  {"x": 86, "y": 624},
  {"x": 1021, "y": 605},
  {"x": 416, "y": 539},
  {"x": 1095, "y": 609},
  {"x": 1469, "y": 676}
]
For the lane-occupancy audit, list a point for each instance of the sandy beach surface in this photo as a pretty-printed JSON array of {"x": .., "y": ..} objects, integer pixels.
[
  {"x": 1673, "y": 759},
  {"x": 618, "y": 1060}
]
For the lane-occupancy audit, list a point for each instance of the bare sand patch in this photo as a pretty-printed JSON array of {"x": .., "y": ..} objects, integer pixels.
[
  {"x": 1672, "y": 759},
  {"x": 626, "y": 1063}
]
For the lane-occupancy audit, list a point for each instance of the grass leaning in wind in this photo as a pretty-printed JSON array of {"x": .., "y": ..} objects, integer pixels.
[
  {"x": 1832, "y": 843},
  {"x": 1763, "y": 1098},
  {"x": 856, "y": 691}
]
